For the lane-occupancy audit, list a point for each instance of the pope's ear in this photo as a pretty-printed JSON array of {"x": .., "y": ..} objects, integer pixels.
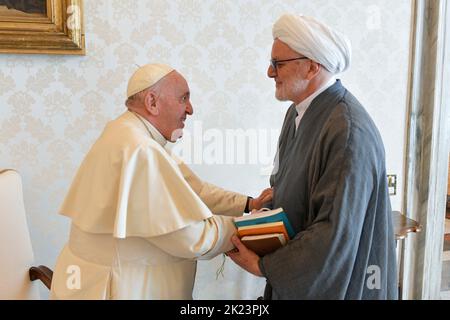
[{"x": 150, "y": 103}]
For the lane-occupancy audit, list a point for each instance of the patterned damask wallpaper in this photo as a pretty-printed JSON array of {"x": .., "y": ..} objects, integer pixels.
[{"x": 52, "y": 108}]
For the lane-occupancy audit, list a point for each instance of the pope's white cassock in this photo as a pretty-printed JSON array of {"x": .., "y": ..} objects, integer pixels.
[{"x": 140, "y": 220}]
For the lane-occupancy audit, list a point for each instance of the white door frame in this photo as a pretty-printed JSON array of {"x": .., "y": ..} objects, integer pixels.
[{"x": 427, "y": 147}]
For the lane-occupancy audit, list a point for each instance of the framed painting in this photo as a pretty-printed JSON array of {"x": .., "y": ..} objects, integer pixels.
[{"x": 42, "y": 26}]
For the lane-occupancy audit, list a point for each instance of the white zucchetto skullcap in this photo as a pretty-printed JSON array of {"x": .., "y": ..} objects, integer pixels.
[
  {"x": 314, "y": 40},
  {"x": 146, "y": 76}
]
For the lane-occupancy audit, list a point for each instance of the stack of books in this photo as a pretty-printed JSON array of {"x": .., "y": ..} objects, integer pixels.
[{"x": 265, "y": 231}]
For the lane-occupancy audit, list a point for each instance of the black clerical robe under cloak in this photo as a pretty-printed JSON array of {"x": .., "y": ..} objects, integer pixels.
[{"x": 330, "y": 178}]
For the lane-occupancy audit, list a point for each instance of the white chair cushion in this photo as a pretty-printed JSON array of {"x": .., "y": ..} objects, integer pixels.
[{"x": 16, "y": 253}]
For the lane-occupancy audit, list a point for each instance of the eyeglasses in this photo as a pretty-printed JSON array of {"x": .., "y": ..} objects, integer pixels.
[{"x": 274, "y": 63}]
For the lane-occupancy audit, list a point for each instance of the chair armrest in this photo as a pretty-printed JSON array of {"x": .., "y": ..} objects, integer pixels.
[{"x": 41, "y": 273}]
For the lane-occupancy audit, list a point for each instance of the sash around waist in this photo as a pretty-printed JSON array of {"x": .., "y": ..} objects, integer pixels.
[{"x": 106, "y": 250}]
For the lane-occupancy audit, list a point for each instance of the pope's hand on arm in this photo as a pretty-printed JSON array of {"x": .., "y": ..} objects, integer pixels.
[
  {"x": 265, "y": 196},
  {"x": 245, "y": 258}
]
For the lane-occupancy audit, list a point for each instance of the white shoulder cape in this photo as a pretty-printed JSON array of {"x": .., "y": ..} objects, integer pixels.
[{"x": 129, "y": 186}]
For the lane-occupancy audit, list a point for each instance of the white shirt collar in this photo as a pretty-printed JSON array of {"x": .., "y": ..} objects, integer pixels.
[
  {"x": 303, "y": 106},
  {"x": 154, "y": 133}
]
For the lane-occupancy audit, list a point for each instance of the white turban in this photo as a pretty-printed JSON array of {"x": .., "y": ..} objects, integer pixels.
[
  {"x": 314, "y": 40},
  {"x": 146, "y": 76}
]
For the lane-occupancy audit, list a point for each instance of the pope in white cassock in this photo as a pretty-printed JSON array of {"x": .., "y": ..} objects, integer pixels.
[{"x": 140, "y": 218}]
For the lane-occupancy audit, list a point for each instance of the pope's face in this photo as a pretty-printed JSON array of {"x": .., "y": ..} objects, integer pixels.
[
  {"x": 175, "y": 106},
  {"x": 290, "y": 77}
]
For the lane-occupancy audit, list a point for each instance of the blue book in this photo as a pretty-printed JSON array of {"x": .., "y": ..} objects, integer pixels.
[{"x": 267, "y": 216}]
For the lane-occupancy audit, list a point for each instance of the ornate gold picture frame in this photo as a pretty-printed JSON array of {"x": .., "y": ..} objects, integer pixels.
[{"x": 42, "y": 26}]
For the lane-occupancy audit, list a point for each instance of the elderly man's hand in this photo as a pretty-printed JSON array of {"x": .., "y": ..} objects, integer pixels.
[
  {"x": 265, "y": 196},
  {"x": 244, "y": 257}
]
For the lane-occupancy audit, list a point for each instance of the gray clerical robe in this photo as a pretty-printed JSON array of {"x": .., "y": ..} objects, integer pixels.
[{"x": 331, "y": 181}]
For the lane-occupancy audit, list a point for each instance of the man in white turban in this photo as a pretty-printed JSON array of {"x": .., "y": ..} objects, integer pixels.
[
  {"x": 330, "y": 179},
  {"x": 140, "y": 218}
]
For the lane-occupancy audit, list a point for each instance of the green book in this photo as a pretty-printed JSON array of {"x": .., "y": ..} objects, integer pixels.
[{"x": 266, "y": 216}]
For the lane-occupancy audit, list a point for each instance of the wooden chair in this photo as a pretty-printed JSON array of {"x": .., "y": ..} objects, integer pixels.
[
  {"x": 402, "y": 227},
  {"x": 16, "y": 253}
]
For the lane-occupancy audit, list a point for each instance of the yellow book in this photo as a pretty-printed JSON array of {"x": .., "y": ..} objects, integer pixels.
[
  {"x": 264, "y": 228},
  {"x": 265, "y": 216}
]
